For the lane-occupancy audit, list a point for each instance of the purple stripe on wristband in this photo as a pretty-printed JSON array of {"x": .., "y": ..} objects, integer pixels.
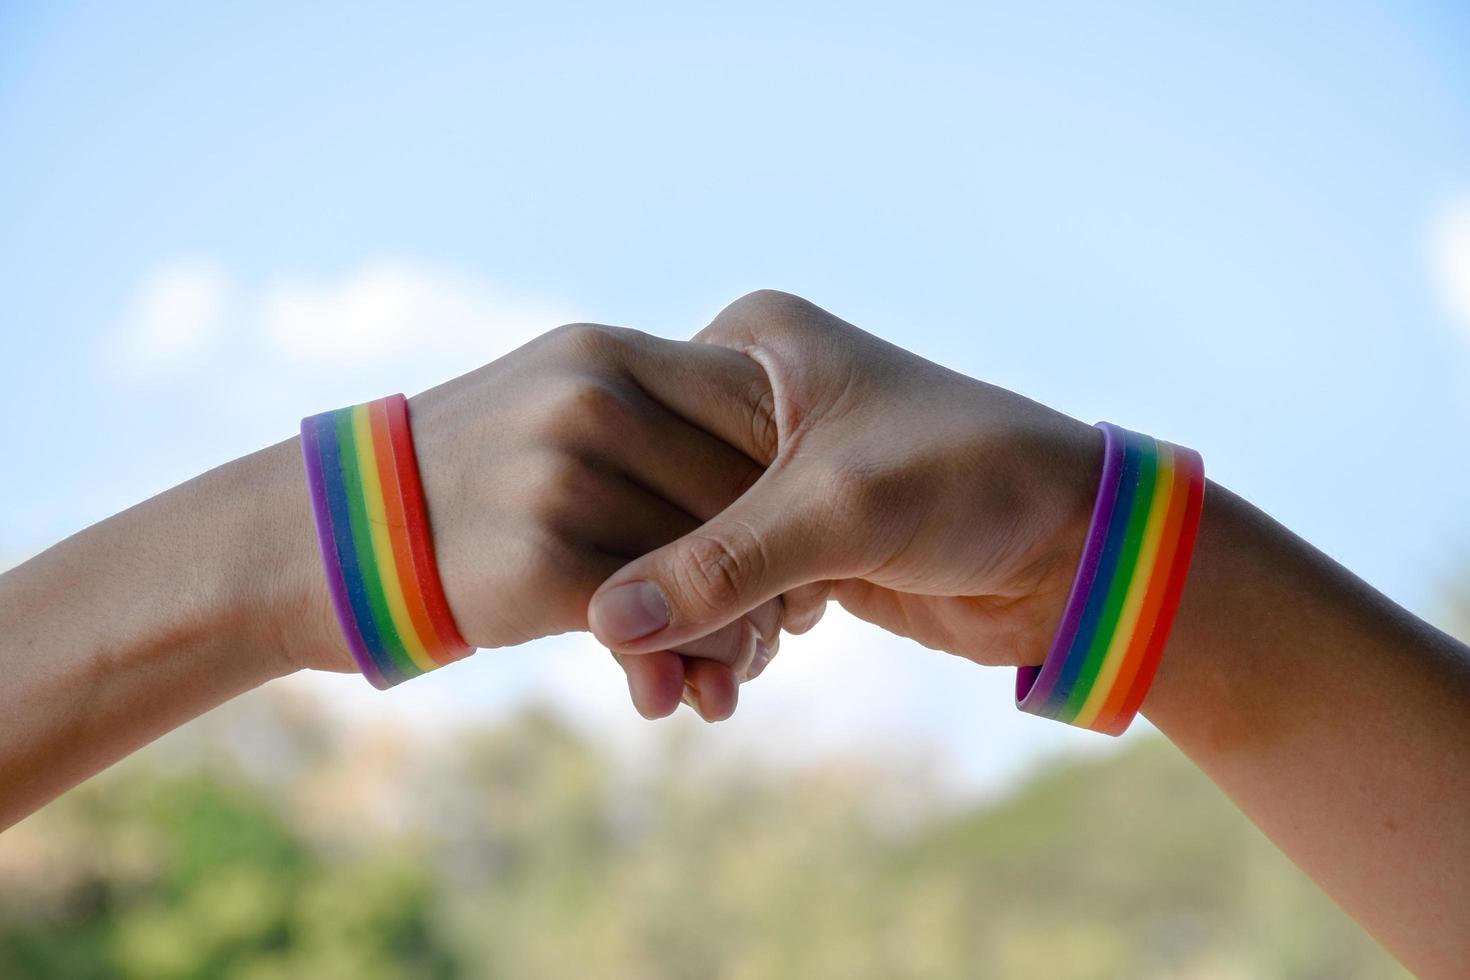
[
  {"x": 1034, "y": 684},
  {"x": 321, "y": 514}
]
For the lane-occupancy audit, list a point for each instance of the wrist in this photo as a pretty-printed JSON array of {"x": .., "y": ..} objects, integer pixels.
[
  {"x": 1202, "y": 681},
  {"x": 1122, "y": 601},
  {"x": 1063, "y": 470},
  {"x": 277, "y": 589},
  {"x": 1068, "y": 472}
]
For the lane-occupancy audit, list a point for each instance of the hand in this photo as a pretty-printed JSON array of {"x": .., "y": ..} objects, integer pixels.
[
  {"x": 547, "y": 470},
  {"x": 939, "y": 507}
]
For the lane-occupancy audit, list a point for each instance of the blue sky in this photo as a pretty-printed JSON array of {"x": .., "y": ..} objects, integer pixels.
[{"x": 1244, "y": 229}]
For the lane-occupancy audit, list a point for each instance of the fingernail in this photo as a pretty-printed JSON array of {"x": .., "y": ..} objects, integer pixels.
[
  {"x": 691, "y": 698},
  {"x": 631, "y": 612}
]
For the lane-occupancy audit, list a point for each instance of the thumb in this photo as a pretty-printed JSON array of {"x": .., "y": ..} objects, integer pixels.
[{"x": 763, "y": 544}]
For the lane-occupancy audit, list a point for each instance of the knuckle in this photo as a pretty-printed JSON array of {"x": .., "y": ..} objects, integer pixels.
[
  {"x": 769, "y": 302},
  {"x": 768, "y": 619},
  {"x": 805, "y": 607},
  {"x": 572, "y": 334},
  {"x": 595, "y": 339},
  {"x": 596, "y": 401},
  {"x": 588, "y": 404},
  {"x": 759, "y": 666},
  {"x": 718, "y": 568},
  {"x": 808, "y": 622},
  {"x": 552, "y": 561},
  {"x": 768, "y": 308},
  {"x": 560, "y": 485}
]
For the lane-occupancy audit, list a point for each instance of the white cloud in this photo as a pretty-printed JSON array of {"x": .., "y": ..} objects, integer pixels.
[
  {"x": 254, "y": 358},
  {"x": 387, "y": 308},
  {"x": 176, "y": 311},
  {"x": 1450, "y": 255},
  {"x": 188, "y": 315}
]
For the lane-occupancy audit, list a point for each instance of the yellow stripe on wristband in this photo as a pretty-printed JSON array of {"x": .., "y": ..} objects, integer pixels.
[
  {"x": 1137, "y": 589},
  {"x": 382, "y": 544}
]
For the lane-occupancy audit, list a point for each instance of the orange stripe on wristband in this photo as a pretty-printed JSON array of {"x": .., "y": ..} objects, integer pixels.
[
  {"x": 397, "y": 526},
  {"x": 1154, "y": 600},
  {"x": 452, "y": 645},
  {"x": 1149, "y": 661},
  {"x": 1153, "y": 554},
  {"x": 373, "y": 533},
  {"x": 1129, "y": 580},
  {"x": 391, "y": 574}
]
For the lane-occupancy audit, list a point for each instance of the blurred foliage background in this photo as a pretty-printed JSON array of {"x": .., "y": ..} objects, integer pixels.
[{"x": 264, "y": 841}]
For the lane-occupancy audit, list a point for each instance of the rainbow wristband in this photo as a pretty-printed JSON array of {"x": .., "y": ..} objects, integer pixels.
[
  {"x": 1127, "y": 588},
  {"x": 374, "y": 537}
]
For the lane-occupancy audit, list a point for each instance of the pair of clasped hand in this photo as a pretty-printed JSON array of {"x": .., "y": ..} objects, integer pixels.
[{"x": 688, "y": 501}]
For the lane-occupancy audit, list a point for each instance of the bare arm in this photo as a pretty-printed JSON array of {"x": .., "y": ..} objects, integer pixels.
[
  {"x": 149, "y": 618},
  {"x": 1337, "y": 721},
  {"x": 954, "y": 512},
  {"x": 542, "y": 472}
]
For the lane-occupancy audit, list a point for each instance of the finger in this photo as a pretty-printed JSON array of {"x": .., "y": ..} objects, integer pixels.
[
  {"x": 612, "y": 521},
  {"x": 714, "y": 388},
  {"x": 745, "y": 646},
  {"x": 611, "y": 513},
  {"x": 805, "y": 606},
  {"x": 762, "y": 661},
  {"x": 769, "y": 618},
  {"x": 710, "y": 689},
  {"x": 659, "y": 682},
  {"x": 768, "y": 541},
  {"x": 620, "y": 427},
  {"x": 682, "y": 463},
  {"x": 627, "y": 521},
  {"x": 884, "y": 608},
  {"x": 655, "y": 682},
  {"x": 952, "y": 624},
  {"x": 766, "y": 315},
  {"x": 737, "y": 645}
]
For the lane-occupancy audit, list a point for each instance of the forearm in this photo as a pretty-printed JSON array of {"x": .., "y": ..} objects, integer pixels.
[
  {"x": 150, "y": 618},
  {"x": 1337, "y": 721},
  {"x": 955, "y": 512}
]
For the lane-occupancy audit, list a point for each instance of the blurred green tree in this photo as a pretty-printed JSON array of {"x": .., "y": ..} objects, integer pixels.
[{"x": 518, "y": 850}]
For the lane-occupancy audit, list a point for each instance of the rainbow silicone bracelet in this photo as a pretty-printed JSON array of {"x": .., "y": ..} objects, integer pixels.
[
  {"x": 373, "y": 532},
  {"x": 1122, "y": 604}
]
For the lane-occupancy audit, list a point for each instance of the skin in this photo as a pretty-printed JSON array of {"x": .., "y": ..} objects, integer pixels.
[
  {"x": 953, "y": 512},
  {"x": 543, "y": 473},
  {"x": 685, "y": 500}
]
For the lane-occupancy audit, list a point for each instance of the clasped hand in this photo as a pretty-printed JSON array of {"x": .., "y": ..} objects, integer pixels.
[{"x": 689, "y": 501}]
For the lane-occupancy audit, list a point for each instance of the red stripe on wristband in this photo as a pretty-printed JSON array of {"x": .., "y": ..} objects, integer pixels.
[
  {"x": 452, "y": 646},
  {"x": 1193, "y": 510}
]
